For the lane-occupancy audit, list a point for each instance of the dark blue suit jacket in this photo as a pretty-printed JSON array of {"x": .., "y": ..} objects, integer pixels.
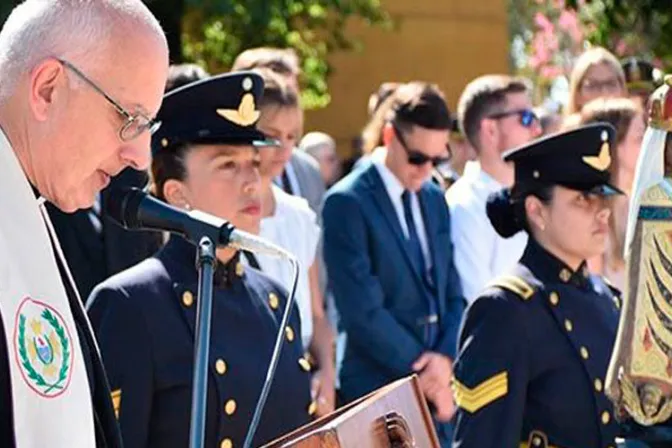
[{"x": 380, "y": 297}]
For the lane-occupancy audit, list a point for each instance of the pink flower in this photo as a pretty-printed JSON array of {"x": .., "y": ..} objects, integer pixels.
[
  {"x": 551, "y": 71},
  {"x": 621, "y": 47},
  {"x": 540, "y": 49},
  {"x": 567, "y": 20},
  {"x": 542, "y": 22}
]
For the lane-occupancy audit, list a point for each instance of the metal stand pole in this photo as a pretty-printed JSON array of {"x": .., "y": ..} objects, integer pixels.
[{"x": 205, "y": 262}]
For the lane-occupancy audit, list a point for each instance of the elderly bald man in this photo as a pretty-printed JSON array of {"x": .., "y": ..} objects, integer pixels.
[
  {"x": 81, "y": 81},
  {"x": 323, "y": 149}
]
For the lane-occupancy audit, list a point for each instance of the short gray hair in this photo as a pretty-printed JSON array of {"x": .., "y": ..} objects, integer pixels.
[
  {"x": 313, "y": 142},
  {"x": 69, "y": 29}
]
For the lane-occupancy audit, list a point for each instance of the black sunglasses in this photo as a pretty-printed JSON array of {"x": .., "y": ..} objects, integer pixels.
[
  {"x": 419, "y": 158},
  {"x": 527, "y": 116}
]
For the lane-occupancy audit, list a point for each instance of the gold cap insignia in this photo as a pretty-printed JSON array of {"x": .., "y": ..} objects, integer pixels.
[
  {"x": 245, "y": 115},
  {"x": 600, "y": 162}
]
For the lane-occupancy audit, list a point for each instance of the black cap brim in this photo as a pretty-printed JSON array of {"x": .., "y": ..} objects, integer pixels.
[{"x": 599, "y": 189}]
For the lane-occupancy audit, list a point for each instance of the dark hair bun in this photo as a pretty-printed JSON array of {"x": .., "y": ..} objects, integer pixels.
[{"x": 501, "y": 213}]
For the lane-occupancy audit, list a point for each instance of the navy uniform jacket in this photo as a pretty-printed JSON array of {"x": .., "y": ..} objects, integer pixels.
[
  {"x": 145, "y": 321},
  {"x": 533, "y": 355}
]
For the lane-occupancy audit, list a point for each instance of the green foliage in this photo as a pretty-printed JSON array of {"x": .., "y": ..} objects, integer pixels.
[
  {"x": 631, "y": 27},
  {"x": 215, "y": 31}
]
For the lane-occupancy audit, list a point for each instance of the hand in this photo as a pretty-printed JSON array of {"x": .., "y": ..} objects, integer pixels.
[
  {"x": 322, "y": 390},
  {"x": 435, "y": 371},
  {"x": 443, "y": 404}
]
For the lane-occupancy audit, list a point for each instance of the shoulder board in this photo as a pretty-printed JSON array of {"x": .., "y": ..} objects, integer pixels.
[{"x": 515, "y": 284}]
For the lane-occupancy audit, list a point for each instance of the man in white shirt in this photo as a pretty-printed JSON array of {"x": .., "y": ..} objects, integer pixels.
[
  {"x": 495, "y": 112},
  {"x": 81, "y": 81}
]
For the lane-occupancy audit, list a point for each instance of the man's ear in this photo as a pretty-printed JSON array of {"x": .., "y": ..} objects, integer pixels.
[
  {"x": 44, "y": 80},
  {"x": 487, "y": 132},
  {"x": 388, "y": 133},
  {"x": 176, "y": 194}
]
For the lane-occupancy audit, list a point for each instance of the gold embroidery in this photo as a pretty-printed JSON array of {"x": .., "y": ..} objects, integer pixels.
[
  {"x": 245, "y": 115},
  {"x": 116, "y": 402},
  {"x": 514, "y": 284},
  {"x": 471, "y": 400},
  {"x": 602, "y": 161}
]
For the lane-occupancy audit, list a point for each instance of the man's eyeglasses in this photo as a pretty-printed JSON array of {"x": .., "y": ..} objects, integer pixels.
[
  {"x": 419, "y": 158},
  {"x": 134, "y": 125},
  {"x": 527, "y": 116}
]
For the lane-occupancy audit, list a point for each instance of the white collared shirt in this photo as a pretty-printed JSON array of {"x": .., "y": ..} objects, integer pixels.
[
  {"x": 481, "y": 254},
  {"x": 394, "y": 190}
]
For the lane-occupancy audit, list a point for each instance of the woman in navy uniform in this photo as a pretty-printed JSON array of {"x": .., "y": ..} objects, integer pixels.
[
  {"x": 204, "y": 157},
  {"x": 534, "y": 347}
]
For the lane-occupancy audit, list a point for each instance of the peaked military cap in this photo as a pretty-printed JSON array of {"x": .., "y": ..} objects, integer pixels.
[
  {"x": 639, "y": 74},
  {"x": 578, "y": 159},
  {"x": 217, "y": 110}
]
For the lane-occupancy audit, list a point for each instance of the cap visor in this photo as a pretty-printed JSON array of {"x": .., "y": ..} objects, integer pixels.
[
  {"x": 599, "y": 189},
  {"x": 265, "y": 143},
  {"x": 606, "y": 190}
]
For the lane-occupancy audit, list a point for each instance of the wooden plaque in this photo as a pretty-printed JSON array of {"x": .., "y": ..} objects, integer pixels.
[{"x": 394, "y": 416}]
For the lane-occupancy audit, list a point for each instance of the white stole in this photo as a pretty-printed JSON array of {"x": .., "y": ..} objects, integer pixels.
[{"x": 51, "y": 397}]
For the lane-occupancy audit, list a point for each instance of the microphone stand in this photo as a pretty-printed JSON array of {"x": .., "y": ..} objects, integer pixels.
[{"x": 205, "y": 262}]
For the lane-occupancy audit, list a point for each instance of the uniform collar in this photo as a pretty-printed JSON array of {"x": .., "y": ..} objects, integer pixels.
[
  {"x": 550, "y": 269},
  {"x": 184, "y": 253}
]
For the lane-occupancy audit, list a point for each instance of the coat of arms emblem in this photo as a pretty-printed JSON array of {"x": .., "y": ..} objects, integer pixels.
[{"x": 42, "y": 346}]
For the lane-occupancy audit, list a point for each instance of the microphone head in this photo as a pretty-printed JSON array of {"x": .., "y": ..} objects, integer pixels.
[{"x": 122, "y": 206}]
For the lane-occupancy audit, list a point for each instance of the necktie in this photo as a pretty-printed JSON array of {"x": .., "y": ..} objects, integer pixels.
[
  {"x": 431, "y": 327},
  {"x": 286, "y": 184},
  {"x": 413, "y": 240}
]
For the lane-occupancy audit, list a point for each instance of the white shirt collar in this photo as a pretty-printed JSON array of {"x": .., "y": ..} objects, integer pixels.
[
  {"x": 392, "y": 184},
  {"x": 474, "y": 172}
]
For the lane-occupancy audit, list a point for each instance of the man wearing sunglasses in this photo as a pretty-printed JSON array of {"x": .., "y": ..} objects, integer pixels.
[
  {"x": 495, "y": 113},
  {"x": 389, "y": 258},
  {"x": 81, "y": 81}
]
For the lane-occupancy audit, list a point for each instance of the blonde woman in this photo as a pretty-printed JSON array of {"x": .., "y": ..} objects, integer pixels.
[
  {"x": 289, "y": 222},
  {"x": 596, "y": 73}
]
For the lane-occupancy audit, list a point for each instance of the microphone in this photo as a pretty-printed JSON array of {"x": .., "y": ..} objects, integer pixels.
[{"x": 135, "y": 209}]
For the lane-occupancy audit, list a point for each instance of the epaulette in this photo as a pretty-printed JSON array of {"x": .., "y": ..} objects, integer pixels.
[{"x": 515, "y": 284}]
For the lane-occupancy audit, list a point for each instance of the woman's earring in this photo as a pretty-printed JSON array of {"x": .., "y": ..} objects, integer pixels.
[{"x": 187, "y": 206}]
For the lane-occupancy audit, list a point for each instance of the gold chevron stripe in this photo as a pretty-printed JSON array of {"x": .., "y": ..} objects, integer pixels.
[
  {"x": 514, "y": 284},
  {"x": 471, "y": 400},
  {"x": 116, "y": 402}
]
